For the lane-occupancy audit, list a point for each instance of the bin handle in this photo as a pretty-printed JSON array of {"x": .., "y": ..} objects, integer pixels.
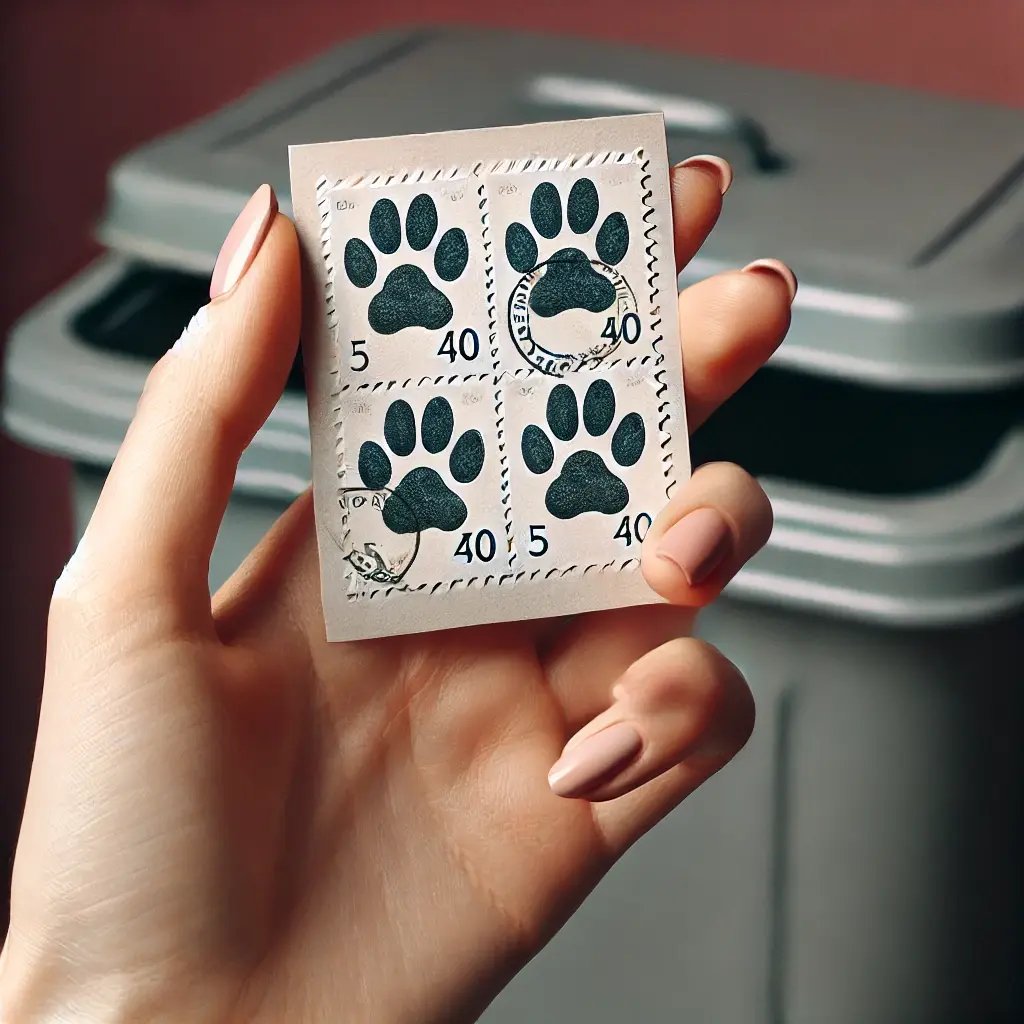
[{"x": 682, "y": 113}]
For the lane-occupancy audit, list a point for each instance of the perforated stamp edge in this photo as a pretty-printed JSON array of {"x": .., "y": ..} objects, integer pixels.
[
  {"x": 479, "y": 173},
  {"x": 581, "y": 162}
]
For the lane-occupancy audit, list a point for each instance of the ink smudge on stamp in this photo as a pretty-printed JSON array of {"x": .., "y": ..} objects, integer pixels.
[
  {"x": 421, "y": 489},
  {"x": 571, "y": 266}
]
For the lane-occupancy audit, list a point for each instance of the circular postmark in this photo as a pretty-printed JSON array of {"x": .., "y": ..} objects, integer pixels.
[
  {"x": 573, "y": 337},
  {"x": 371, "y": 545}
]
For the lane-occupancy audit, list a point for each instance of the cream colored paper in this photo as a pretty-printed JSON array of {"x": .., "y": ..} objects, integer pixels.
[{"x": 495, "y": 391}]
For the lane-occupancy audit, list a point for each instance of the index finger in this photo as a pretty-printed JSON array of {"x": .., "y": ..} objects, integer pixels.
[{"x": 697, "y": 186}]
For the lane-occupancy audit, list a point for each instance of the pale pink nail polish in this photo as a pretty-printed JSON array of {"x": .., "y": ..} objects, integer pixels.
[
  {"x": 721, "y": 168},
  {"x": 778, "y": 269},
  {"x": 597, "y": 758},
  {"x": 696, "y": 544},
  {"x": 243, "y": 241}
]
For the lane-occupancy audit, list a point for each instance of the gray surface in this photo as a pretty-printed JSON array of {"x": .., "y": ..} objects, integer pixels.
[
  {"x": 953, "y": 557},
  {"x": 907, "y": 245}
]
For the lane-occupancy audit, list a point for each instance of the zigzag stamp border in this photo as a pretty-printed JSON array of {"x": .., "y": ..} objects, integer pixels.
[{"x": 344, "y": 390}]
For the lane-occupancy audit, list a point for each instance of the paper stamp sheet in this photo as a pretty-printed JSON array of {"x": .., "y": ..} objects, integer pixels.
[{"x": 491, "y": 341}]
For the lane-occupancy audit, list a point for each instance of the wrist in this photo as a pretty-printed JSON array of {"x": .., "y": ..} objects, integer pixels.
[{"x": 40, "y": 988}]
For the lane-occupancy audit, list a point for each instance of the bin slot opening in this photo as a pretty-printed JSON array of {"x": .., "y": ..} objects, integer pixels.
[
  {"x": 143, "y": 314},
  {"x": 784, "y": 424},
  {"x": 853, "y": 437}
]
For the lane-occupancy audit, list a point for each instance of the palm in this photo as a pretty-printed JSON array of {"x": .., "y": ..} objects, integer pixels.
[{"x": 419, "y": 764}]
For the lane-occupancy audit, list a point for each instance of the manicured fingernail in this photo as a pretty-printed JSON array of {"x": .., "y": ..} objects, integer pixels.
[
  {"x": 243, "y": 241},
  {"x": 696, "y": 544},
  {"x": 721, "y": 168},
  {"x": 779, "y": 269},
  {"x": 596, "y": 759}
]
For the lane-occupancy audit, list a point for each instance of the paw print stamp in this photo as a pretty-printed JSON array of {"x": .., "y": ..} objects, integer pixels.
[
  {"x": 408, "y": 281},
  {"x": 571, "y": 268},
  {"x": 421, "y": 494},
  {"x": 588, "y": 479}
]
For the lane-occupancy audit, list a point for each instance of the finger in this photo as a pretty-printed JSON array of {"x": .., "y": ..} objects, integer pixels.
[
  {"x": 696, "y": 186},
  {"x": 718, "y": 520},
  {"x": 161, "y": 507},
  {"x": 715, "y": 523},
  {"x": 595, "y": 650},
  {"x": 729, "y": 325},
  {"x": 682, "y": 705}
]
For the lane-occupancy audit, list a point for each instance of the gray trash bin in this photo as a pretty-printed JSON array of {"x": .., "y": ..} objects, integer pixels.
[{"x": 860, "y": 860}]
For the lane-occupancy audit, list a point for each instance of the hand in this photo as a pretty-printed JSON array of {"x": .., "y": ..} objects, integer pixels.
[{"x": 231, "y": 819}]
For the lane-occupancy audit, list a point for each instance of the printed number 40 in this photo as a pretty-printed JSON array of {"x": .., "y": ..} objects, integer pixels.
[
  {"x": 468, "y": 345},
  {"x": 635, "y": 530},
  {"x": 482, "y": 547},
  {"x": 628, "y": 329}
]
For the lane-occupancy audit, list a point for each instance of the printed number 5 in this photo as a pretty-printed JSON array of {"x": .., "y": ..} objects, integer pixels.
[
  {"x": 360, "y": 360},
  {"x": 537, "y": 538}
]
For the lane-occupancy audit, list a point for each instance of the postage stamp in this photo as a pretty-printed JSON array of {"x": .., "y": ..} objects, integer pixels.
[
  {"x": 410, "y": 298},
  {"x": 588, "y": 470},
  {"x": 571, "y": 264},
  {"x": 495, "y": 421},
  {"x": 419, "y": 494}
]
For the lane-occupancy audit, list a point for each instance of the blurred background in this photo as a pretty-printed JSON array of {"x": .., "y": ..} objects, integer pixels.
[{"x": 861, "y": 862}]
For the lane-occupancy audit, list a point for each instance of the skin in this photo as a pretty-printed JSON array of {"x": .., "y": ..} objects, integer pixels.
[{"x": 231, "y": 820}]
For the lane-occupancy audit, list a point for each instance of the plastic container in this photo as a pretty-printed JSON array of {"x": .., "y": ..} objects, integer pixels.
[{"x": 860, "y": 860}]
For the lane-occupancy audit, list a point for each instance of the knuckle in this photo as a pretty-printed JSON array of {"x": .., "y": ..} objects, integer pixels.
[
  {"x": 714, "y": 680},
  {"x": 727, "y": 704},
  {"x": 686, "y": 674},
  {"x": 730, "y": 475}
]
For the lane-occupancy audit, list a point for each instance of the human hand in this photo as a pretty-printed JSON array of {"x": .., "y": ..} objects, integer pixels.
[{"x": 231, "y": 819}]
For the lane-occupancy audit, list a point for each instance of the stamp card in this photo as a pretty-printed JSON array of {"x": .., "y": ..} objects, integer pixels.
[
  {"x": 493, "y": 371},
  {"x": 407, "y": 262},
  {"x": 419, "y": 488},
  {"x": 587, "y": 467},
  {"x": 570, "y": 255}
]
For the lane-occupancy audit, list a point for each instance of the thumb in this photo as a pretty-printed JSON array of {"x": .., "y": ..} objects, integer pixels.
[{"x": 161, "y": 507}]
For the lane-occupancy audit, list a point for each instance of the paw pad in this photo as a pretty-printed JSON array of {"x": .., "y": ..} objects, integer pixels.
[
  {"x": 584, "y": 482},
  {"x": 407, "y": 297},
  {"x": 422, "y": 500},
  {"x": 570, "y": 280}
]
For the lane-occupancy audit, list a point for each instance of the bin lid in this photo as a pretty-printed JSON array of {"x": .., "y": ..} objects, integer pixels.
[{"x": 902, "y": 214}]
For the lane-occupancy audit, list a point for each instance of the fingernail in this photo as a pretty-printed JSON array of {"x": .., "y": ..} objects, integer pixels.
[
  {"x": 696, "y": 544},
  {"x": 721, "y": 168},
  {"x": 779, "y": 269},
  {"x": 597, "y": 758},
  {"x": 243, "y": 241}
]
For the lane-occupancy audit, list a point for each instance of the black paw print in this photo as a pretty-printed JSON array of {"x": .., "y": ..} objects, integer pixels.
[
  {"x": 407, "y": 298},
  {"x": 422, "y": 500},
  {"x": 570, "y": 282},
  {"x": 585, "y": 483}
]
